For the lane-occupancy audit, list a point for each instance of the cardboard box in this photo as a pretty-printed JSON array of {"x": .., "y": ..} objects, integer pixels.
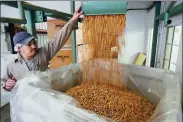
[{"x": 62, "y": 58}]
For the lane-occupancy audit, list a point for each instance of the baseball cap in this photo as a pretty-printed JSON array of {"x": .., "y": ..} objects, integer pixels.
[{"x": 22, "y": 38}]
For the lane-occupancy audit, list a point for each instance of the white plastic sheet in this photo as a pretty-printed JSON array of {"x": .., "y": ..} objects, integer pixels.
[
  {"x": 34, "y": 100},
  {"x": 5, "y": 60}
]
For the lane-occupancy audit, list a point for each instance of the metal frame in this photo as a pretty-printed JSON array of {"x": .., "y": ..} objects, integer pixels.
[
  {"x": 169, "y": 44},
  {"x": 164, "y": 16},
  {"x": 170, "y": 6},
  {"x": 22, "y": 19},
  {"x": 172, "y": 11},
  {"x": 28, "y": 6},
  {"x": 74, "y": 56},
  {"x": 155, "y": 33},
  {"x": 30, "y": 22}
]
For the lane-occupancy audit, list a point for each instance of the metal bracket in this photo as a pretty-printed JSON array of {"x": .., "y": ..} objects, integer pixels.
[
  {"x": 40, "y": 17},
  {"x": 166, "y": 17},
  {"x": 173, "y": 11}
]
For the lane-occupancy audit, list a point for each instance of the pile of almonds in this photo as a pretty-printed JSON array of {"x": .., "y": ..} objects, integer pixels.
[{"x": 113, "y": 102}]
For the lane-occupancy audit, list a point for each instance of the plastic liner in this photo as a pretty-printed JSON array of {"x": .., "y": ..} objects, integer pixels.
[
  {"x": 35, "y": 100},
  {"x": 6, "y": 58}
]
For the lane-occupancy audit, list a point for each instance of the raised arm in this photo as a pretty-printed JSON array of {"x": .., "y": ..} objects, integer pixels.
[{"x": 61, "y": 37}]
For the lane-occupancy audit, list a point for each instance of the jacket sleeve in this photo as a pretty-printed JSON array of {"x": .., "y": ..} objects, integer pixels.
[
  {"x": 53, "y": 46},
  {"x": 5, "y": 76}
]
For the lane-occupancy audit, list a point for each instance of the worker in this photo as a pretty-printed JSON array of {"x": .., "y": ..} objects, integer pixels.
[{"x": 30, "y": 58}]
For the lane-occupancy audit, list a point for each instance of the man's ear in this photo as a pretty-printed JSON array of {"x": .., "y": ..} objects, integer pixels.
[{"x": 19, "y": 48}]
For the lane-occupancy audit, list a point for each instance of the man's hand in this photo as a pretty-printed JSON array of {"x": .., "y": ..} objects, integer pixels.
[
  {"x": 10, "y": 83},
  {"x": 77, "y": 14}
]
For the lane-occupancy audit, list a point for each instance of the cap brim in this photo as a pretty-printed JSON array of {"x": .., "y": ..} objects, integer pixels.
[{"x": 26, "y": 41}]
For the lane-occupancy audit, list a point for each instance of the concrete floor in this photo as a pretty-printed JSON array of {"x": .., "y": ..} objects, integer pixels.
[{"x": 5, "y": 113}]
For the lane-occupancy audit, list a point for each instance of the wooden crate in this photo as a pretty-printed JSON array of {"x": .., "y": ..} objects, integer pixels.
[
  {"x": 62, "y": 58},
  {"x": 54, "y": 25}
]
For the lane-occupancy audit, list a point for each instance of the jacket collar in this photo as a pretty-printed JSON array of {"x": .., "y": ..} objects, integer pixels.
[{"x": 18, "y": 58}]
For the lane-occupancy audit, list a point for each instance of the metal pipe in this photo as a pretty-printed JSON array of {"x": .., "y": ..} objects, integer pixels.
[
  {"x": 104, "y": 7},
  {"x": 155, "y": 33},
  {"x": 74, "y": 57},
  {"x": 22, "y": 19}
]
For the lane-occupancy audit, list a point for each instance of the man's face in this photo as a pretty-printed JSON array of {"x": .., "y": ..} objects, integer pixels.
[{"x": 29, "y": 50}]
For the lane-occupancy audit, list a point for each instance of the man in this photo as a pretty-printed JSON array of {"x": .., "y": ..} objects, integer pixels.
[{"x": 32, "y": 59}]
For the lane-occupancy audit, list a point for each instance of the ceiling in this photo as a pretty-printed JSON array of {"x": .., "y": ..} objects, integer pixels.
[{"x": 138, "y": 4}]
